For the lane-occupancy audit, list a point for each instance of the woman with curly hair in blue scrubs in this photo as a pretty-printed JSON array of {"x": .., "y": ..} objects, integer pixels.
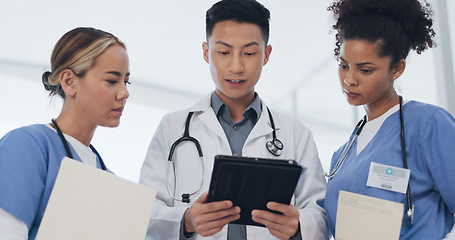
[
  {"x": 374, "y": 38},
  {"x": 89, "y": 70}
]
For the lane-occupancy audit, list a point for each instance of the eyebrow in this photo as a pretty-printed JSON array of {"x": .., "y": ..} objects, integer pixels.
[
  {"x": 253, "y": 43},
  {"x": 358, "y": 64},
  {"x": 116, "y": 73}
]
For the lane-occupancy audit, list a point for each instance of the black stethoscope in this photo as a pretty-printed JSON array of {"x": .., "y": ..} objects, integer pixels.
[
  {"x": 275, "y": 147},
  {"x": 67, "y": 147},
  {"x": 357, "y": 130}
]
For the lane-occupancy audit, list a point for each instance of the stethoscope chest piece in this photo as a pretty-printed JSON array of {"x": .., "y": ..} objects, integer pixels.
[{"x": 275, "y": 147}]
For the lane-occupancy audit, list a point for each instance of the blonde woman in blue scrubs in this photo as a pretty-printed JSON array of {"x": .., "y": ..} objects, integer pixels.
[{"x": 90, "y": 70}]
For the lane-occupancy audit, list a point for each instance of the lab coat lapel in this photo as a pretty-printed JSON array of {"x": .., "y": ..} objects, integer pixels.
[
  {"x": 263, "y": 125},
  {"x": 208, "y": 117}
]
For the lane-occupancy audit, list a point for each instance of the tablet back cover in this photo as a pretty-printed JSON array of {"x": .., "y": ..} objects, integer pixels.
[{"x": 251, "y": 183}]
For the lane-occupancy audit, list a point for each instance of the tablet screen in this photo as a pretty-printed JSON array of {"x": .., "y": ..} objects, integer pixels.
[{"x": 251, "y": 183}]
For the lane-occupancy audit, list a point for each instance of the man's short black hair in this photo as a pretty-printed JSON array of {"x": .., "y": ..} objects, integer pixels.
[{"x": 242, "y": 11}]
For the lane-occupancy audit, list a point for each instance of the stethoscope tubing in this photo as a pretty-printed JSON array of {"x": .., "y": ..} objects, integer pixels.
[
  {"x": 185, "y": 196},
  {"x": 67, "y": 147},
  {"x": 357, "y": 130},
  {"x": 63, "y": 139},
  {"x": 186, "y": 137},
  {"x": 275, "y": 147},
  {"x": 410, "y": 211},
  {"x": 356, "y": 133}
]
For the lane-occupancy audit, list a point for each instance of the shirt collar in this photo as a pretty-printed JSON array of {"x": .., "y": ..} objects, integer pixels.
[{"x": 217, "y": 104}]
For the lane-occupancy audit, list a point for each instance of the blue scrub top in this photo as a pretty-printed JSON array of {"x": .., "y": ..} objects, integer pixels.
[
  {"x": 30, "y": 158},
  {"x": 430, "y": 148}
]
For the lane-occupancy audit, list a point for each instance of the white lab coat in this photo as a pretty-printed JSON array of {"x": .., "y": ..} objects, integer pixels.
[{"x": 298, "y": 145}]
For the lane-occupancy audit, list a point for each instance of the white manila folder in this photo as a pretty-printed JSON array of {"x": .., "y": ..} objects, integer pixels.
[
  {"x": 362, "y": 217},
  {"x": 91, "y": 204}
]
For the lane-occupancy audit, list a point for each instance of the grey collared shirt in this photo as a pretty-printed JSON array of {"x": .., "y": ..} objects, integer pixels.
[{"x": 236, "y": 133}]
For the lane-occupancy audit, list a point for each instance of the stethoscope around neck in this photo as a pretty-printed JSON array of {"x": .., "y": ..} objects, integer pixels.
[
  {"x": 67, "y": 147},
  {"x": 274, "y": 146},
  {"x": 357, "y": 130}
]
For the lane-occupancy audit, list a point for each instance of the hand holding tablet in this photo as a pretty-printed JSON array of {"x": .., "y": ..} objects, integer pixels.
[{"x": 251, "y": 183}]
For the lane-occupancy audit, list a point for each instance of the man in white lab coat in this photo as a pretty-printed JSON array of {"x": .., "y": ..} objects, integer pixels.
[{"x": 232, "y": 120}]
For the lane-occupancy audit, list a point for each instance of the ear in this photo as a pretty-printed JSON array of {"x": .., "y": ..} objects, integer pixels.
[
  {"x": 205, "y": 51},
  {"x": 268, "y": 51},
  {"x": 399, "y": 69},
  {"x": 68, "y": 82}
]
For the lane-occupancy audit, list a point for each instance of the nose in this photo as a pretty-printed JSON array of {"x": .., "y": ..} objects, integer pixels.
[
  {"x": 123, "y": 93},
  {"x": 350, "y": 80},
  {"x": 236, "y": 64}
]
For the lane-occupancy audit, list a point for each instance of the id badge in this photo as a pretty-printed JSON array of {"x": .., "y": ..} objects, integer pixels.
[{"x": 388, "y": 177}]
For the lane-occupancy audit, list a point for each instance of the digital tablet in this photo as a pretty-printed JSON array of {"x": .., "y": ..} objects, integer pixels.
[{"x": 251, "y": 183}]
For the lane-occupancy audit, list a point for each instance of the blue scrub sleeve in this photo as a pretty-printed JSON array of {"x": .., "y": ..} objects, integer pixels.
[
  {"x": 438, "y": 150},
  {"x": 23, "y": 168}
]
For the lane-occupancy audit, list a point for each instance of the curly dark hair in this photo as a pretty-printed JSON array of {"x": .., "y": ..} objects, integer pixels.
[{"x": 397, "y": 25}]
